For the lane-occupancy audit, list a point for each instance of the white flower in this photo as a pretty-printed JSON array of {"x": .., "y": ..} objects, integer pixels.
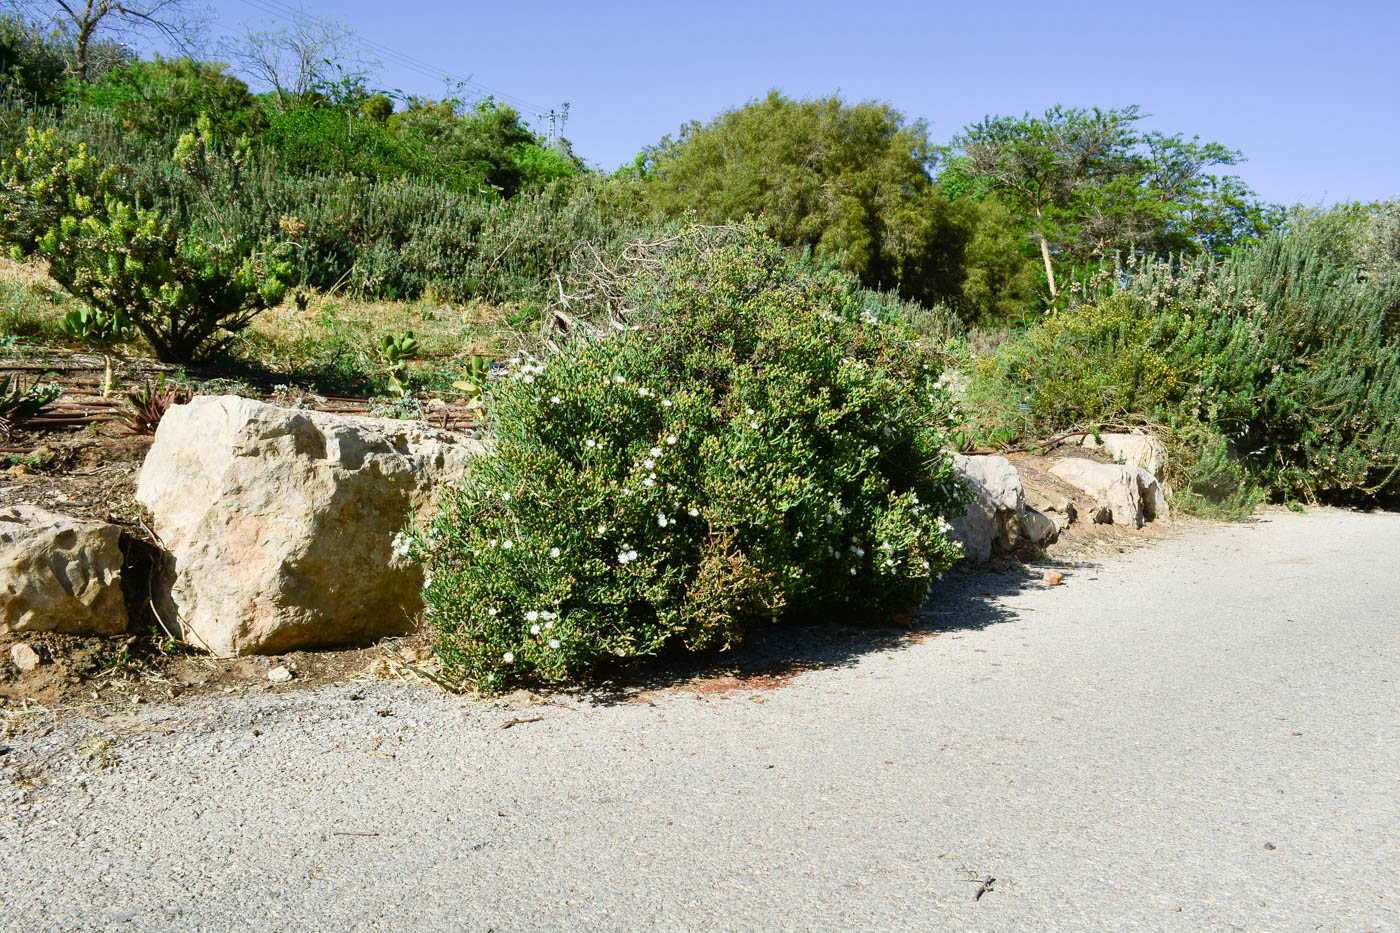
[
  {"x": 492, "y": 611},
  {"x": 662, "y": 521},
  {"x": 670, "y": 438},
  {"x": 507, "y": 544},
  {"x": 508, "y": 657},
  {"x": 751, "y": 411},
  {"x": 602, "y": 529},
  {"x": 621, "y": 653},
  {"x": 665, "y": 403},
  {"x": 548, "y": 625},
  {"x": 547, "y": 615},
  {"x": 590, "y": 443},
  {"x": 648, "y": 482},
  {"x": 648, "y": 463},
  {"x": 531, "y": 616},
  {"x": 694, "y": 511},
  {"x": 534, "y": 630},
  {"x": 554, "y": 552},
  {"x": 754, "y": 425},
  {"x": 554, "y": 399},
  {"x": 656, "y": 451},
  {"x": 528, "y": 378},
  {"x": 427, "y": 579},
  {"x": 505, "y": 496},
  {"x": 554, "y": 643},
  {"x": 619, "y": 380}
]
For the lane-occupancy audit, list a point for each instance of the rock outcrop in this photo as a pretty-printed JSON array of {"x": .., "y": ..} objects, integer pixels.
[
  {"x": 1140, "y": 451},
  {"x": 279, "y": 523},
  {"x": 1123, "y": 495},
  {"x": 59, "y": 574},
  {"x": 993, "y": 519}
]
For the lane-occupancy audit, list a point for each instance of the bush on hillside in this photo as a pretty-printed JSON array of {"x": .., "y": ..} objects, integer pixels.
[
  {"x": 184, "y": 287},
  {"x": 1289, "y": 357},
  {"x": 756, "y": 450}
]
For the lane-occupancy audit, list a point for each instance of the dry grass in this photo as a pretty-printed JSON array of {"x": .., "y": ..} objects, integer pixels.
[{"x": 332, "y": 341}]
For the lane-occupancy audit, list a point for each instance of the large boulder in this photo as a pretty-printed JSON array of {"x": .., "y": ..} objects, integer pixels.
[
  {"x": 1139, "y": 451},
  {"x": 994, "y": 517},
  {"x": 1109, "y": 484},
  {"x": 280, "y": 523},
  {"x": 59, "y": 574}
]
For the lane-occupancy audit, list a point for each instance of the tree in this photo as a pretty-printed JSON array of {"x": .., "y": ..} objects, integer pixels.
[
  {"x": 295, "y": 60},
  {"x": 1086, "y": 183},
  {"x": 31, "y": 62},
  {"x": 178, "y": 22},
  {"x": 848, "y": 180}
]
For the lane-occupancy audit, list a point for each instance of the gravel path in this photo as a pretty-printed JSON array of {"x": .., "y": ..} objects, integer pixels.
[{"x": 1203, "y": 735}]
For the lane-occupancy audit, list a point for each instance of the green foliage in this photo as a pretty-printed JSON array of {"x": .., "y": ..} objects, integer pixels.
[
  {"x": 755, "y": 450},
  {"x": 1096, "y": 363},
  {"x": 1207, "y": 477},
  {"x": 1086, "y": 184},
  {"x": 848, "y": 180},
  {"x": 94, "y": 328},
  {"x": 397, "y": 350},
  {"x": 32, "y": 66},
  {"x": 180, "y": 283},
  {"x": 1289, "y": 358},
  {"x": 166, "y": 96}
]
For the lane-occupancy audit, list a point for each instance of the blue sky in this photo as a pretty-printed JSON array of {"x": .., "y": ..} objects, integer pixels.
[{"x": 1309, "y": 91}]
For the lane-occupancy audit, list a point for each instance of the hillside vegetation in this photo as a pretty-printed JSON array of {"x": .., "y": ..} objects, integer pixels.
[{"x": 819, "y": 263}]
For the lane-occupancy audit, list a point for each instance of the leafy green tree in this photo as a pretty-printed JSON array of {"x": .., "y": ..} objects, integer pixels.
[
  {"x": 848, "y": 180},
  {"x": 166, "y": 96},
  {"x": 1086, "y": 184},
  {"x": 32, "y": 68}
]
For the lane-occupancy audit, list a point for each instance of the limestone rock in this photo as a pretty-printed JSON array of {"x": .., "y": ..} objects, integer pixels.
[
  {"x": 1040, "y": 529},
  {"x": 1115, "y": 486},
  {"x": 994, "y": 517},
  {"x": 280, "y": 522},
  {"x": 1154, "y": 500},
  {"x": 25, "y": 657},
  {"x": 59, "y": 574},
  {"x": 1052, "y": 578},
  {"x": 280, "y": 675},
  {"x": 1139, "y": 451}
]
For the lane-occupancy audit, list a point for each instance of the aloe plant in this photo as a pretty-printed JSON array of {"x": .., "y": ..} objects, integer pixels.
[
  {"x": 100, "y": 329},
  {"x": 20, "y": 402}
]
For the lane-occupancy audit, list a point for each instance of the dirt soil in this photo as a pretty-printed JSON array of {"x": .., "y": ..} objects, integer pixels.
[{"x": 89, "y": 470}]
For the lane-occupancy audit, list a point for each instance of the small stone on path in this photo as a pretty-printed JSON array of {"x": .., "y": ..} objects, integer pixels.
[
  {"x": 25, "y": 657},
  {"x": 1053, "y": 578},
  {"x": 279, "y": 675}
]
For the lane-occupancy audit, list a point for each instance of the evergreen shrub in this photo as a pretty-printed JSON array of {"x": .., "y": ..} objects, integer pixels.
[{"x": 754, "y": 450}]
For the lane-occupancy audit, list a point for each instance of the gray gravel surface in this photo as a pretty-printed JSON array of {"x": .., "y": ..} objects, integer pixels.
[{"x": 1203, "y": 735}]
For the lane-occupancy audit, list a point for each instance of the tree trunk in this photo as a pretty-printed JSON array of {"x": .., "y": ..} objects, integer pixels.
[{"x": 1049, "y": 266}]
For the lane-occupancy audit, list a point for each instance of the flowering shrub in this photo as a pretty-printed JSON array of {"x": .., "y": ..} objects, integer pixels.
[{"x": 754, "y": 449}]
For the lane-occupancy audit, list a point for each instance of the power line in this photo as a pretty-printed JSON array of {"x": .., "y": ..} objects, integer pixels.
[{"x": 276, "y": 8}]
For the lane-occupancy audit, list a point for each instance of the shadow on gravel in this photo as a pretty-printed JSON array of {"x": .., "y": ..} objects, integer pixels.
[{"x": 958, "y": 602}]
